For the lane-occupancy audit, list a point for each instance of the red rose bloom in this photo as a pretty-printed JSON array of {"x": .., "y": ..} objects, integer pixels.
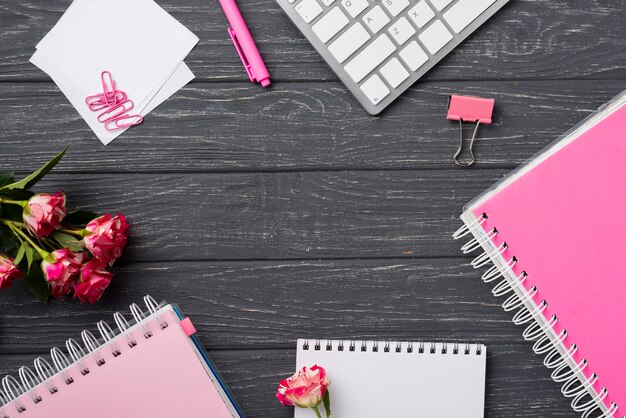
[
  {"x": 44, "y": 212},
  {"x": 107, "y": 237},
  {"x": 8, "y": 272},
  {"x": 60, "y": 268},
  {"x": 94, "y": 279}
]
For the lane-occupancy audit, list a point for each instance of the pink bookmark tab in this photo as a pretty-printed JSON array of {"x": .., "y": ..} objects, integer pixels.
[
  {"x": 242, "y": 56},
  {"x": 471, "y": 109},
  {"x": 122, "y": 122},
  {"x": 187, "y": 327}
]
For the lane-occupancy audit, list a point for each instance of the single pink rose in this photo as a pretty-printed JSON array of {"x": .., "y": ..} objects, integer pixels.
[
  {"x": 107, "y": 237},
  {"x": 304, "y": 389},
  {"x": 61, "y": 268},
  {"x": 94, "y": 279},
  {"x": 44, "y": 212},
  {"x": 8, "y": 272}
]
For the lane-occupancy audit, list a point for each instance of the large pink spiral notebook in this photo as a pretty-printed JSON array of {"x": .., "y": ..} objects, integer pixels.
[
  {"x": 553, "y": 232},
  {"x": 151, "y": 367}
]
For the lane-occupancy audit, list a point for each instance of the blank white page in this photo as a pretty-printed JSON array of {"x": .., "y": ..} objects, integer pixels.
[{"x": 375, "y": 384}]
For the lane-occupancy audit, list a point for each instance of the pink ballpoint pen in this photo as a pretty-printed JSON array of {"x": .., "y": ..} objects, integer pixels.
[{"x": 244, "y": 44}]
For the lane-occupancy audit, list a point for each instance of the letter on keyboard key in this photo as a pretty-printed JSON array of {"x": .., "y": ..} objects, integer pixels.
[
  {"x": 440, "y": 4},
  {"x": 375, "y": 89},
  {"x": 402, "y": 30},
  {"x": 435, "y": 37},
  {"x": 421, "y": 14},
  {"x": 354, "y": 7},
  {"x": 309, "y": 10},
  {"x": 349, "y": 42},
  {"x": 376, "y": 19},
  {"x": 395, "y": 6},
  {"x": 326, "y": 2},
  {"x": 465, "y": 12},
  {"x": 370, "y": 58},
  {"x": 414, "y": 56},
  {"x": 394, "y": 72},
  {"x": 329, "y": 25}
]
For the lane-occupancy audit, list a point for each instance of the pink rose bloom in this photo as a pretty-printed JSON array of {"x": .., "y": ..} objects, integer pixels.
[
  {"x": 44, "y": 212},
  {"x": 107, "y": 237},
  {"x": 94, "y": 279},
  {"x": 60, "y": 268},
  {"x": 304, "y": 389},
  {"x": 8, "y": 272}
]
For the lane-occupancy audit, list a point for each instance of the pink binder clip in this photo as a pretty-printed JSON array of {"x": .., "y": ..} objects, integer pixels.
[{"x": 469, "y": 109}]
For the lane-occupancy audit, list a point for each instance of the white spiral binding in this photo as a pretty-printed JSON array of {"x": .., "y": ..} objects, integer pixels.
[
  {"x": 392, "y": 346},
  {"x": 573, "y": 382},
  {"x": 30, "y": 381}
]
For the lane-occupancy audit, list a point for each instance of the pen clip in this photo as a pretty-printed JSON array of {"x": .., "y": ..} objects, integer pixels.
[{"x": 244, "y": 61}]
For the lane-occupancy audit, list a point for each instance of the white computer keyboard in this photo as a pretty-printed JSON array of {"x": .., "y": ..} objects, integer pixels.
[{"x": 379, "y": 48}]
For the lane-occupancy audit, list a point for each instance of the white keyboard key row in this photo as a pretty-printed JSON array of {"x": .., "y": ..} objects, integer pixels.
[
  {"x": 395, "y": 7},
  {"x": 465, "y": 12},
  {"x": 368, "y": 59},
  {"x": 354, "y": 7},
  {"x": 330, "y": 25},
  {"x": 435, "y": 37},
  {"x": 421, "y": 14},
  {"x": 440, "y": 4},
  {"x": 414, "y": 56},
  {"x": 376, "y": 19},
  {"x": 309, "y": 10},
  {"x": 347, "y": 44}
]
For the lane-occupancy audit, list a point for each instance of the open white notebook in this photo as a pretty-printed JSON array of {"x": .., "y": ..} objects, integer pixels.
[{"x": 383, "y": 379}]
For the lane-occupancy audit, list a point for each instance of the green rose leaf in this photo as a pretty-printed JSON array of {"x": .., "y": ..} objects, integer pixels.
[
  {"x": 80, "y": 217},
  {"x": 20, "y": 254},
  {"x": 7, "y": 241},
  {"x": 68, "y": 241},
  {"x": 6, "y": 179},
  {"x": 36, "y": 283},
  {"x": 29, "y": 181},
  {"x": 30, "y": 255},
  {"x": 326, "y": 401}
]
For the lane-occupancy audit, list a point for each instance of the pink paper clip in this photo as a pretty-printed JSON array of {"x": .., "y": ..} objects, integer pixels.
[
  {"x": 108, "y": 86},
  {"x": 122, "y": 122},
  {"x": 97, "y": 102},
  {"x": 469, "y": 109},
  {"x": 116, "y": 111}
]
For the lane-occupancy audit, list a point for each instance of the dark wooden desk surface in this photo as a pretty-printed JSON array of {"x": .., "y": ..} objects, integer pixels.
[{"x": 275, "y": 214}]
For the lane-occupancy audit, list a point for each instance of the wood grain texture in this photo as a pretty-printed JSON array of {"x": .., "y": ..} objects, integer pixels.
[
  {"x": 538, "y": 39},
  {"x": 276, "y": 214},
  {"x": 209, "y": 127}
]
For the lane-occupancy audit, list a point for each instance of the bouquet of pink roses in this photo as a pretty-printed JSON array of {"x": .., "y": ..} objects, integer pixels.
[{"x": 56, "y": 252}]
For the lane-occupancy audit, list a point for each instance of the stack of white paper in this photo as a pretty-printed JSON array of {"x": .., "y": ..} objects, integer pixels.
[{"x": 136, "y": 40}]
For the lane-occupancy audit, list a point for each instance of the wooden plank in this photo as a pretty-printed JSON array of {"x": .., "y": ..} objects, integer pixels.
[
  {"x": 295, "y": 126},
  {"x": 517, "y": 383},
  {"x": 536, "y": 39},
  {"x": 261, "y": 304},
  {"x": 311, "y": 215}
]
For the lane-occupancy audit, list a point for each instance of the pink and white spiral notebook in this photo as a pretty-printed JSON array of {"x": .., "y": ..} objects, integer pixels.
[
  {"x": 554, "y": 231},
  {"x": 151, "y": 367}
]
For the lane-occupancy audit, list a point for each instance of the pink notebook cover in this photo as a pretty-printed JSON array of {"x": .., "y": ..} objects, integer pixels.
[
  {"x": 565, "y": 222},
  {"x": 161, "y": 377}
]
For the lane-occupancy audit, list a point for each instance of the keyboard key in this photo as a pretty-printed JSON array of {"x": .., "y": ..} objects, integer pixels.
[
  {"x": 414, "y": 56},
  {"x": 376, "y": 19},
  {"x": 354, "y": 7},
  {"x": 328, "y": 2},
  {"x": 370, "y": 58},
  {"x": 375, "y": 89},
  {"x": 349, "y": 42},
  {"x": 465, "y": 12},
  {"x": 441, "y": 4},
  {"x": 329, "y": 25},
  {"x": 402, "y": 30},
  {"x": 395, "y": 7},
  {"x": 394, "y": 72},
  {"x": 309, "y": 10},
  {"x": 435, "y": 37},
  {"x": 421, "y": 14}
]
